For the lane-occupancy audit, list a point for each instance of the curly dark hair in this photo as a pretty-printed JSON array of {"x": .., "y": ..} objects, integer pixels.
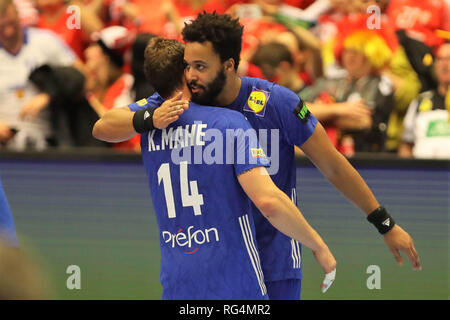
[
  {"x": 164, "y": 65},
  {"x": 224, "y": 32}
]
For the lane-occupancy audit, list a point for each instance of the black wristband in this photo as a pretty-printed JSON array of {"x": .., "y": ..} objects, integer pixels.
[
  {"x": 381, "y": 219},
  {"x": 143, "y": 120}
]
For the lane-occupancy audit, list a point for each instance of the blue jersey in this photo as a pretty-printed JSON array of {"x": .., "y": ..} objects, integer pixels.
[
  {"x": 207, "y": 235},
  {"x": 282, "y": 121},
  {"x": 7, "y": 228},
  {"x": 269, "y": 106}
]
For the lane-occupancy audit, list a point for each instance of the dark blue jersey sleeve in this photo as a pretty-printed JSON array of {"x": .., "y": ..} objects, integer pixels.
[
  {"x": 296, "y": 122},
  {"x": 153, "y": 101},
  {"x": 247, "y": 152}
]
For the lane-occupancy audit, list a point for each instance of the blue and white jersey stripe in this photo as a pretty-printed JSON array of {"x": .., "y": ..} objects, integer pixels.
[
  {"x": 296, "y": 254},
  {"x": 252, "y": 251}
]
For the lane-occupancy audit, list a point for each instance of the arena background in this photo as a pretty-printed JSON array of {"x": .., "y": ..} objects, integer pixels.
[{"x": 94, "y": 210}]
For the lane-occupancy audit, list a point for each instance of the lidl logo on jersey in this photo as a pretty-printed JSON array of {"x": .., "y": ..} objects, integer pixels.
[
  {"x": 191, "y": 239},
  {"x": 257, "y": 102},
  {"x": 258, "y": 153},
  {"x": 142, "y": 102}
]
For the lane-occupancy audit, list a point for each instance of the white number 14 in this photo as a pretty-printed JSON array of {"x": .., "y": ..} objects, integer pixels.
[{"x": 193, "y": 199}]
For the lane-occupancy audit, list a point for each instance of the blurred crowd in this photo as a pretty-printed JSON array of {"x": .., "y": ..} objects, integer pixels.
[{"x": 376, "y": 73}]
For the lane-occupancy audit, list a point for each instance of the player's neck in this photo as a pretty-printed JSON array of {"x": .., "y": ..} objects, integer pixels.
[
  {"x": 230, "y": 91},
  {"x": 186, "y": 93}
]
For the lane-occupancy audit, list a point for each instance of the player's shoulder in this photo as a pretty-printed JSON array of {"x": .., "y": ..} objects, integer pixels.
[
  {"x": 152, "y": 101},
  {"x": 264, "y": 84},
  {"x": 220, "y": 118},
  {"x": 273, "y": 91},
  {"x": 258, "y": 82},
  {"x": 252, "y": 85}
]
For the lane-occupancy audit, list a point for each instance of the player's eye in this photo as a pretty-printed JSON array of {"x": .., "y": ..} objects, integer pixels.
[{"x": 200, "y": 67}]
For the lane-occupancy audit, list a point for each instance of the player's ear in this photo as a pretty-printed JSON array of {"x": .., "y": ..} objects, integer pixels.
[{"x": 229, "y": 65}]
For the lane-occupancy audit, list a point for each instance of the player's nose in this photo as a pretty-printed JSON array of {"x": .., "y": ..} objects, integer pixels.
[{"x": 190, "y": 74}]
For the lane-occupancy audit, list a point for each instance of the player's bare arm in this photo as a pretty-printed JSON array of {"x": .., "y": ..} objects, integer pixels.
[
  {"x": 282, "y": 213},
  {"x": 116, "y": 125},
  {"x": 335, "y": 167}
]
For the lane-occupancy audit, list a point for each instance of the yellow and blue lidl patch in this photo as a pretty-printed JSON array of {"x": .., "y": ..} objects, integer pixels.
[
  {"x": 142, "y": 102},
  {"x": 257, "y": 102}
]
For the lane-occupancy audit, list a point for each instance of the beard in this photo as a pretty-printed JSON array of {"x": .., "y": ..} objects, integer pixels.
[{"x": 208, "y": 94}]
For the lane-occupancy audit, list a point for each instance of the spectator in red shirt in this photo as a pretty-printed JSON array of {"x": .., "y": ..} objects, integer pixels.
[
  {"x": 165, "y": 18},
  {"x": 420, "y": 19},
  {"x": 74, "y": 30},
  {"x": 182, "y": 11}
]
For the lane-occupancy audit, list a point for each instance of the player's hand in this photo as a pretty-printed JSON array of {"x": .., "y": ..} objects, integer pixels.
[
  {"x": 325, "y": 258},
  {"x": 169, "y": 111},
  {"x": 398, "y": 240},
  {"x": 328, "y": 281}
]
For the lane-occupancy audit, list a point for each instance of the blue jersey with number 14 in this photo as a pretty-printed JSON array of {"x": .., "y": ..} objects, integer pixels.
[
  {"x": 281, "y": 121},
  {"x": 207, "y": 236}
]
